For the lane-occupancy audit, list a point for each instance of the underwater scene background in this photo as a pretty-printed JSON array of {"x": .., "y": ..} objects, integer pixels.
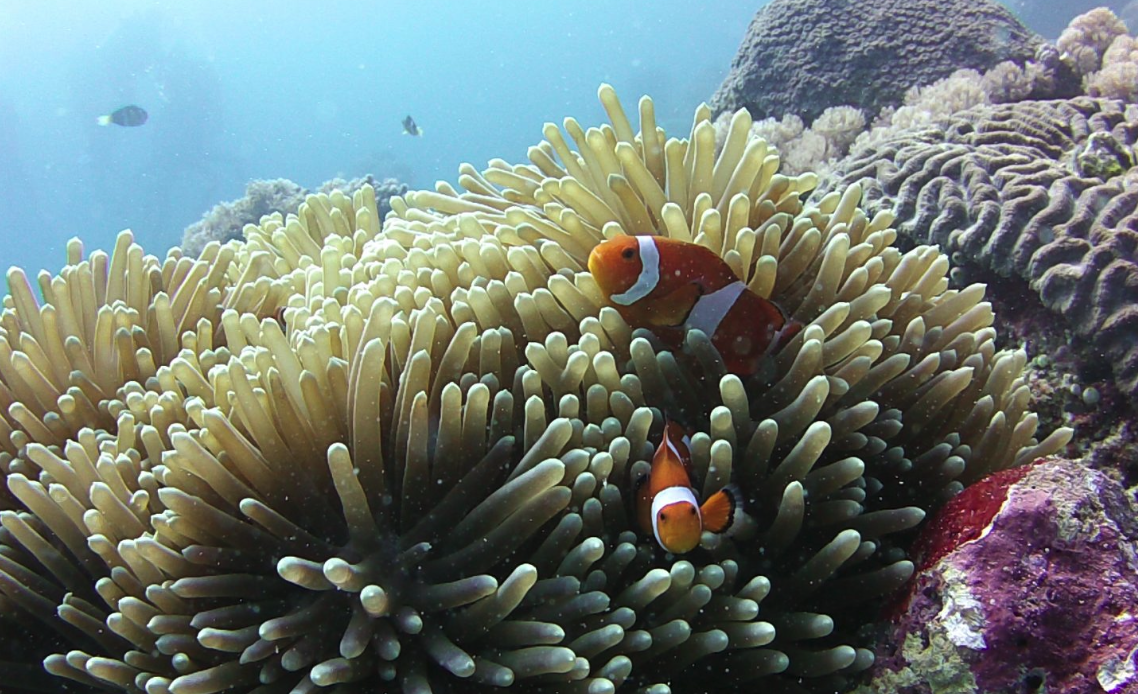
[
  {"x": 448, "y": 347},
  {"x": 239, "y": 92}
]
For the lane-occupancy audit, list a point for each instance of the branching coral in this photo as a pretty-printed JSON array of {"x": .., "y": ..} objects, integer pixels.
[
  {"x": 225, "y": 220},
  {"x": 1088, "y": 36},
  {"x": 842, "y": 128},
  {"x": 1069, "y": 70},
  {"x": 1045, "y": 77},
  {"x": 804, "y": 149},
  {"x": 267, "y": 197},
  {"x": 421, "y": 474},
  {"x": 1118, "y": 78},
  {"x": 1098, "y": 44}
]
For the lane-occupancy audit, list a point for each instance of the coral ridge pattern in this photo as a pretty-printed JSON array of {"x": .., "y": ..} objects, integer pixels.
[{"x": 1044, "y": 191}]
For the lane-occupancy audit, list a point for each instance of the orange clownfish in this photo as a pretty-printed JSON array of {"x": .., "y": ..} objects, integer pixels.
[
  {"x": 666, "y": 504},
  {"x": 670, "y": 287}
]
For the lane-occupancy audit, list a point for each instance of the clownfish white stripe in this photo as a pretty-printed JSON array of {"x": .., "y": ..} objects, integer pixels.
[
  {"x": 666, "y": 497},
  {"x": 649, "y": 273},
  {"x": 710, "y": 310}
]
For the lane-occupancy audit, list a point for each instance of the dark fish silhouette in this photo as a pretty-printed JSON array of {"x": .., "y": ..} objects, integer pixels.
[
  {"x": 410, "y": 128},
  {"x": 127, "y": 116}
]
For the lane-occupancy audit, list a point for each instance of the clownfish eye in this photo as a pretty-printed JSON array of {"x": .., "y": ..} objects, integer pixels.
[
  {"x": 692, "y": 510},
  {"x": 628, "y": 254},
  {"x": 663, "y": 516}
]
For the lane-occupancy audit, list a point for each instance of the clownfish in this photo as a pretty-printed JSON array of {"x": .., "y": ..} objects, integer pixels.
[
  {"x": 666, "y": 504},
  {"x": 670, "y": 287}
]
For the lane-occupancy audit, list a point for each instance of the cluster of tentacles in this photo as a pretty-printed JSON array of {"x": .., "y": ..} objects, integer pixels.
[{"x": 340, "y": 455}]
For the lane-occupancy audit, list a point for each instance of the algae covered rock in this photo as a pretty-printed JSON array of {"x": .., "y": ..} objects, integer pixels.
[{"x": 1026, "y": 583}]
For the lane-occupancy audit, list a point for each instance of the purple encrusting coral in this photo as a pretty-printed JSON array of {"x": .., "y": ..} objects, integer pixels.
[{"x": 1045, "y": 598}]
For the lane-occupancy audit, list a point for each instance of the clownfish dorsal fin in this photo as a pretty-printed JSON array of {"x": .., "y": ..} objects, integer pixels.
[
  {"x": 721, "y": 510},
  {"x": 679, "y": 443}
]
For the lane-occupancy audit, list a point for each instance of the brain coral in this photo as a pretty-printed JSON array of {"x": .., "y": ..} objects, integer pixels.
[
  {"x": 1041, "y": 190},
  {"x": 418, "y": 475},
  {"x": 801, "y": 57}
]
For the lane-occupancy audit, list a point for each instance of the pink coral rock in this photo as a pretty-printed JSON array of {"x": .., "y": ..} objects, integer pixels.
[{"x": 1028, "y": 583}]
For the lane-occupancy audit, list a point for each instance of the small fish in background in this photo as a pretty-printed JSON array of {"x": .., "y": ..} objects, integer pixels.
[
  {"x": 128, "y": 116},
  {"x": 411, "y": 128},
  {"x": 670, "y": 287},
  {"x": 666, "y": 504}
]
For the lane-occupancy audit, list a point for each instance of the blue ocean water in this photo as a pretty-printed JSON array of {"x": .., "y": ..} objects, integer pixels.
[
  {"x": 237, "y": 91},
  {"x": 307, "y": 91}
]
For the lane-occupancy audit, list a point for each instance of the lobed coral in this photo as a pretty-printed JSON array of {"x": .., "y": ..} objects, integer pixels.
[
  {"x": 419, "y": 475},
  {"x": 267, "y": 197},
  {"x": 1040, "y": 190}
]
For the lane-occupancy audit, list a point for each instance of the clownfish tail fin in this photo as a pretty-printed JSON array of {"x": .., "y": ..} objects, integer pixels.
[{"x": 722, "y": 510}]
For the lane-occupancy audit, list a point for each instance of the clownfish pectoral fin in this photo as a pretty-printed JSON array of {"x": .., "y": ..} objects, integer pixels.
[
  {"x": 787, "y": 333},
  {"x": 672, "y": 309},
  {"x": 722, "y": 509}
]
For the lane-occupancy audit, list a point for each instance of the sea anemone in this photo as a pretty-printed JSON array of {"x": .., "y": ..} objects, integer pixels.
[{"x": 406, "y": 454}]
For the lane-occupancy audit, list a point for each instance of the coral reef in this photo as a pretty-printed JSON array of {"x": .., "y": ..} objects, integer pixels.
[
  {"x": 1067, "y": 388},
  {"x": 1002, "y": 601},
  {"x": 1100, "y": 48},
  {"x": 841, "y": 128},
  {"x": 1002, "y": 186},
  {"x": 417, "y": 475},
  {"x": 1047, "y": 76},
  {"x": 800, "y": 58},
  {"x": 1095, "y": 57},
  {"x": 1088, "y": 36},
  {"x": 803, "y": 149},
  {"x": 226, "y": 220},
  {"x": 1118, "y": 78},
  {"x": 265, "y": 197},
  {"x": 1042, "y": 15}
]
